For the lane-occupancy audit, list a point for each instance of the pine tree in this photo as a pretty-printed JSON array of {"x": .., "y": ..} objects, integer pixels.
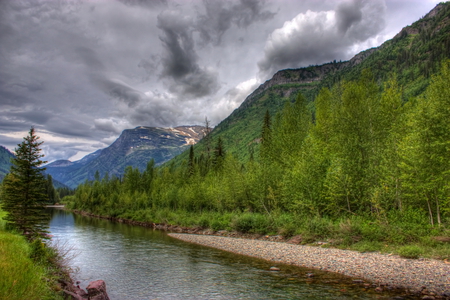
[
  {"x": 24, "y": 192},
  {"x": 219, "y": 154},
  {"x": 266, "y": 137},
  {"x": 191, "y": 161}
]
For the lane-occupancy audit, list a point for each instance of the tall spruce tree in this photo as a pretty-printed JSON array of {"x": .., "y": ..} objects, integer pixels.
[{"x": 24, "y": 193}]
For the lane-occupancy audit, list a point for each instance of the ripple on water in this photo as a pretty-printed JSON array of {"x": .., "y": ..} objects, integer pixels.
[{"x": 139, "y": 263}]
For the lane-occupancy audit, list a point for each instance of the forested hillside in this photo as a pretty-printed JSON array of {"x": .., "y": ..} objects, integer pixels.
[
  {"x": 5, "y": 161},
  {"x": 412, "y": 57},
  {"x": 365, "y": 164}
]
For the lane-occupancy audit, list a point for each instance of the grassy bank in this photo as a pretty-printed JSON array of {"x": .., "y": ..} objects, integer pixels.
[
  {"x": 408, "y": 234},
  {"x": 26, "y": 270}
]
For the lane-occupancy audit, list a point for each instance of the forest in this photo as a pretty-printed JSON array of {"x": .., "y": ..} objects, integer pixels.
[{"x": 360, "y": 167}]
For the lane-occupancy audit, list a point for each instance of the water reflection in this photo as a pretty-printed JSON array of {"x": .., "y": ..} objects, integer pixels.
[{"x": 141, "y": 263}]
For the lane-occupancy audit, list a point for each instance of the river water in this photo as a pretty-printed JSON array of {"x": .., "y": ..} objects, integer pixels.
[{"x": 142, "y": 263}]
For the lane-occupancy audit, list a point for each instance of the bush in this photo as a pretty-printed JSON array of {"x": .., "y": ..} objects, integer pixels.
[
  {"x": 216, "y": 225},
  {"x": 249, "y": 222},
  {"x": 286, "y": 225},
  {"x": 204, "y": 221},
  {"x": 410, "y": 251},
  {"x": 319, "y": 228}
]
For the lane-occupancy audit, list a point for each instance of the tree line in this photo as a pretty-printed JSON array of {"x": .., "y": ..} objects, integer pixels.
[{"x": 360, "y": 150}]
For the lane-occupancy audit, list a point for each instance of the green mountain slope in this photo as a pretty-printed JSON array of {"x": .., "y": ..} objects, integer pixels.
[
  {"x": 412, "y": 56},
  {"x": 5, "y": 161}
]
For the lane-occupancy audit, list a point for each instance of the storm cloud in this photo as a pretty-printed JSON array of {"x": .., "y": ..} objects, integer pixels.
[
  {"x": 81, "y": 72},
  {"x": 180, "y": 60},
  {"x": 317, "y": 37},
  {"x": 219, "y": 16}
]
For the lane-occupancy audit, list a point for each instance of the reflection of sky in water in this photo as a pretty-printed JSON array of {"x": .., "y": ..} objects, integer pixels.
[{"x": 139, "y": 263}]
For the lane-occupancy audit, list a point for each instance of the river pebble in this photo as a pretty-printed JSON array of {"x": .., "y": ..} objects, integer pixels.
[{"x": 381, "y": 269}]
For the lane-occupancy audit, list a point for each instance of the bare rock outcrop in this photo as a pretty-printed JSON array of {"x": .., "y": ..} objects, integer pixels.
[{"x": 96, "y": 290}]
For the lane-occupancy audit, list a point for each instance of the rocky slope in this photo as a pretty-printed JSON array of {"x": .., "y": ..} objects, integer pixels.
[{"x": 135, "y": 147}]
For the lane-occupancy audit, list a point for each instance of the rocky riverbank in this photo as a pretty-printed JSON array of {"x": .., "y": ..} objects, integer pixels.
[
  {"x": 96, "y": 290},
  {"x": 425, "y": 277},
  {"x": 428, "y": 278}
]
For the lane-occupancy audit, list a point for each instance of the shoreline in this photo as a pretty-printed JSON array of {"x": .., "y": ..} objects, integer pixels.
[
  {"x": 421, "y": 277},
  {"x": 427, "y": 277}
]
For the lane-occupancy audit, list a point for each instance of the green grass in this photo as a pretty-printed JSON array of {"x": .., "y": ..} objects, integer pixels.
[
  {"x": 21, "y": 276},
  {"x": 410, "y": 251}
]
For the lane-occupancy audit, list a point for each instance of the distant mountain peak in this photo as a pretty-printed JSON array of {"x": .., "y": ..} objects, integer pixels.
[{"x": 134, "y": 147}]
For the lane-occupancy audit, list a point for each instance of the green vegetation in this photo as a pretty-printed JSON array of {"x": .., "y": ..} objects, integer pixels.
[
  {"x": 410, "y": 251},
  {"x": 30, "y": 268},
  {"x": 368, "y": 172},
  {"x": 414, "y": 56},
  {"x": 25, "y": 190},
  {"x": 5, "y": 161},
  {"x": 28, "y": 271}
]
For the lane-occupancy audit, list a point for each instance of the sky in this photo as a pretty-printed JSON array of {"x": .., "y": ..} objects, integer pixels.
[{"x": 80, "y": 72}]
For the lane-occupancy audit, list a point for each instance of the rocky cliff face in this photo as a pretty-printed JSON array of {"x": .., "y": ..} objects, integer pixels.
[
  {"x": 135, "y": 147},
  {"x": 308, "y": 75}
]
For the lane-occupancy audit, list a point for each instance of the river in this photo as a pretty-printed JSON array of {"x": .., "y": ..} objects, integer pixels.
[{"x": 142, "y": 263}]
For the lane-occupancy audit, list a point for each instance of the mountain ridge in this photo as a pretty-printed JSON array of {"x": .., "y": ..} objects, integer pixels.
[
  {"x": 134, "y": 147},
  {"x": 412, "y": 56}
]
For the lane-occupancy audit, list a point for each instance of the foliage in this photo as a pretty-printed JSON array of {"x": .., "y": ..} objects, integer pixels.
[
  {"x": 410, "y": 251},
  {"x": 352, "y": 174},
  {"x": 21, "y": 277},
  {"x": 414, "y": 56},
  {"x": 24, "y": 190},
  {"x": 363, "y": 164}
]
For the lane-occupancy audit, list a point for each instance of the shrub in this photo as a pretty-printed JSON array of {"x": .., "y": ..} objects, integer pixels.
[
  {"x": 410, "y": 251},
  {"x": 216, "y": 225},
  {"x": 249, "y": 222},
  {"x": 319, "y": 227},
  {"x": 204, "y": 221}
]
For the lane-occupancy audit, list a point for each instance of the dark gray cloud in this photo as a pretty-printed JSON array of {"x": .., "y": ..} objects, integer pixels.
[
  {"x": 348, "y": 14},
  {"x": 219, "y": 16},
  {"x": 145, "y": 3},
  {"x": 121, "y": 91},
  {"x": 180, "y": 60},
  {"x": 317, "y": 37},
  {"x": 83, "y": 71}
]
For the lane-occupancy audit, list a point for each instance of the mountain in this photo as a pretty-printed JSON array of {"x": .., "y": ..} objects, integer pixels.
[
  {"x": 135, "y": 147},
  {"x": 412, "y": 57},
  {"x": 5, "y": 162}
]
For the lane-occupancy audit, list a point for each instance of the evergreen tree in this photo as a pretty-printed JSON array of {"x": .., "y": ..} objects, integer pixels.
[
  {"x": 191, "y": 161},
  {"x": 219, "y": 154},
  {"x": 52, "y": 195},
  {"x": 24, "y": 192},
  {"x": 266, "y": 137}
]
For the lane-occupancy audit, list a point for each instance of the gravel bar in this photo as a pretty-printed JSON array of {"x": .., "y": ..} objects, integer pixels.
[{"x": 381, "y": 269}]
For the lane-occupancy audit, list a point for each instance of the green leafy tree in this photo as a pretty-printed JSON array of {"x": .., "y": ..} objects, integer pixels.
[
  {"x": 426, "y": 150},
  {"x": 24, "y": 193}
]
